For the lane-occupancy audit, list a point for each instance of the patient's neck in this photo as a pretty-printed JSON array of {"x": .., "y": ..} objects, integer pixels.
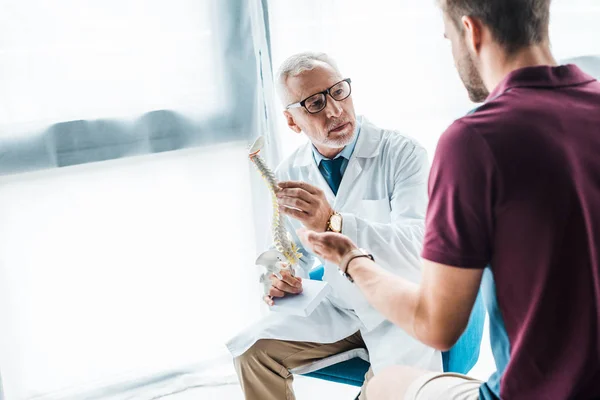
[{"x": 500, "y": 64}]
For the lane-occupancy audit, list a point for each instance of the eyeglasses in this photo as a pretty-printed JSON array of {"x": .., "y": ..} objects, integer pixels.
[{"x": 318, "y": 101}]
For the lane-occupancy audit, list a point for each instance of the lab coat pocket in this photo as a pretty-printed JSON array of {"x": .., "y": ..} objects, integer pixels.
[{"x": 376, "y": 210}]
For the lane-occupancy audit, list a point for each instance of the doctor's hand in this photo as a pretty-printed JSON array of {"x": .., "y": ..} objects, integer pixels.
[
  {"x": 280, "y": 287},
  {"x": 306, "y": 203},
  {"x": 328, "y": 245}
]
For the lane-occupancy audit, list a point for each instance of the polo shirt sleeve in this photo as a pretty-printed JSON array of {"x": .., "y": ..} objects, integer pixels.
[{"x": 459, "y": 224}]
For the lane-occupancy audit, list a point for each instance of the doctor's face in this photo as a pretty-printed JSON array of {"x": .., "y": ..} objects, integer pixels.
[
  {"x": 330, "y": 129},
  {"x": 465, "y": 62}
]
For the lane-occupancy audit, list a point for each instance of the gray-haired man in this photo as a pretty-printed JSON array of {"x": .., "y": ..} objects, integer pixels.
[{"x": 364, "y": 182}]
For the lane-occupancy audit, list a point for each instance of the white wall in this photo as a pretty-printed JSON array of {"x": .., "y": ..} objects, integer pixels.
[{"x": 401, "y": 66}]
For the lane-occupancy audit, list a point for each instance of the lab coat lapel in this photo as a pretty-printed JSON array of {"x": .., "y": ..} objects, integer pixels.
[
  {"x": 310, "y": 172},
  {"x": 367, "y": 147},
  {"x": 347, "y": 188},
  {"x": 316, "y": 178}
]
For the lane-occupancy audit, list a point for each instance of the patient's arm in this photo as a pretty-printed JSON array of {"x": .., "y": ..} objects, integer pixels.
[{"x": 435, "y": 312}]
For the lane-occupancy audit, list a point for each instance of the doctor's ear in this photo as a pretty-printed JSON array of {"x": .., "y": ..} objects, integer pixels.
[{"x": 291, "y": 122}]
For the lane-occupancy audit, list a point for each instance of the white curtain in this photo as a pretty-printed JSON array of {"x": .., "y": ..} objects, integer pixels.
[
  {"x": 98, "y": 80},
  {"x": 401, "y": 66},
  {"x": 124, "y": 278}
]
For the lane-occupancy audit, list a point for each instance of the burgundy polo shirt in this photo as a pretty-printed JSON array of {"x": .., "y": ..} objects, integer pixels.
[{"x": 515, "y": 190}]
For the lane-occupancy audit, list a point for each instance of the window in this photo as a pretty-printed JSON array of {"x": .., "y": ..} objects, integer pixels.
[{"x": 96, "y": 80}]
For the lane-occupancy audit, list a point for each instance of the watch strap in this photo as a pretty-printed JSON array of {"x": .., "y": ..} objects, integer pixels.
[{"x": 351, "y": 255}]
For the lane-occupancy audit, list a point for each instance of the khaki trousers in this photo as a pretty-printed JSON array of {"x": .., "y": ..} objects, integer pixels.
[{"x": 263, "y": 370}]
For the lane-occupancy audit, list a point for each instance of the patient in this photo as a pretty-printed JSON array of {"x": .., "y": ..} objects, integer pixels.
[
  {"x": 351, "y": 177},
  {"x": 514, "y": 206}
]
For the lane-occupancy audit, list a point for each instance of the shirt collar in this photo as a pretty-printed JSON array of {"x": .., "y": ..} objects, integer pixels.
[
  {"x": 346, "y": 152},
  {"x": 543, "y": 77}
]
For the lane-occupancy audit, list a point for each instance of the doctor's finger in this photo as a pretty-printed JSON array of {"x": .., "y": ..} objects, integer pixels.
[
  {"x": 295, "y": 203},
  {"x": 274, "y": 292},
  {"x": 291, "y": 280},
  {"x": 299, "y": 184},
  {"x": 286, "y": 287},
  {"x": 297, "y": 193},
  {"x": 268, "y": 300},
  {"x": 287, "y": 279},
  {"x": 299, "y": 215}
]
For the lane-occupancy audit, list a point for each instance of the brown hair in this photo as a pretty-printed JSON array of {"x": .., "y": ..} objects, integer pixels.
[{"x": 514, "y": 23}]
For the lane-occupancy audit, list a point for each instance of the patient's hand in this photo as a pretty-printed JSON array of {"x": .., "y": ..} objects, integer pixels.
[
  {"x": 329, "y": 246},
  {"x": 280, "y": 287}
]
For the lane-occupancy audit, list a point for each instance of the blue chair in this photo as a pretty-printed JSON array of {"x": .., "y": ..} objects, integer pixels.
[{"x": 354, "y": 365}]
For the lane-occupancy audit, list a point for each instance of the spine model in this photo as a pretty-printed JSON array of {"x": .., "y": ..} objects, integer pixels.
[{"x": 281, "y": 238}]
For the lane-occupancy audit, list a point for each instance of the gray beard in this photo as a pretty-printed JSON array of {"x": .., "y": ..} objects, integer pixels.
[{"x": 339, "y": 142}]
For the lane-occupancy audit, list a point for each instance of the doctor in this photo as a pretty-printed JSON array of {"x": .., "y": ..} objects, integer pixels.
[{"x": 353, "y": 178}]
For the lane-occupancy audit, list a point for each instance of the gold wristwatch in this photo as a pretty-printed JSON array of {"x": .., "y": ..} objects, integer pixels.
[{"x": 334, "y": 224}]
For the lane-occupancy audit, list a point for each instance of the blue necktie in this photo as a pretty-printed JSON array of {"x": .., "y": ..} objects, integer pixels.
[{"x": 332, "y": 172}]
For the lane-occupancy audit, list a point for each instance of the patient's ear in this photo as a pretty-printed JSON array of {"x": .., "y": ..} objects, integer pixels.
[
  {"x": 291, "y": 122},
  {"x": 473, "y": 30}
]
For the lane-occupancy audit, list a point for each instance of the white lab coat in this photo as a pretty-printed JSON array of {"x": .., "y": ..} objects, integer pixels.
[{"x": 382, "y": 199}]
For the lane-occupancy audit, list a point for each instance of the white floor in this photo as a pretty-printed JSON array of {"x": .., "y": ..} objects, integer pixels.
[{"x": 305, "y": 388}]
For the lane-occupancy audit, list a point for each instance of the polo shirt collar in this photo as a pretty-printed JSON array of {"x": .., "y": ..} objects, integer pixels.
[{"x": 544, "y": 76}]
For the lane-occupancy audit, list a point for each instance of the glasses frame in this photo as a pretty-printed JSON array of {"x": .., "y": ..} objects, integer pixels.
[{"x": 324, "y": 93}]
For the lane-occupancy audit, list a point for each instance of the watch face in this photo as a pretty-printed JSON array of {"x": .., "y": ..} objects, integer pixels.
[{"x": 336, "y": 222}]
